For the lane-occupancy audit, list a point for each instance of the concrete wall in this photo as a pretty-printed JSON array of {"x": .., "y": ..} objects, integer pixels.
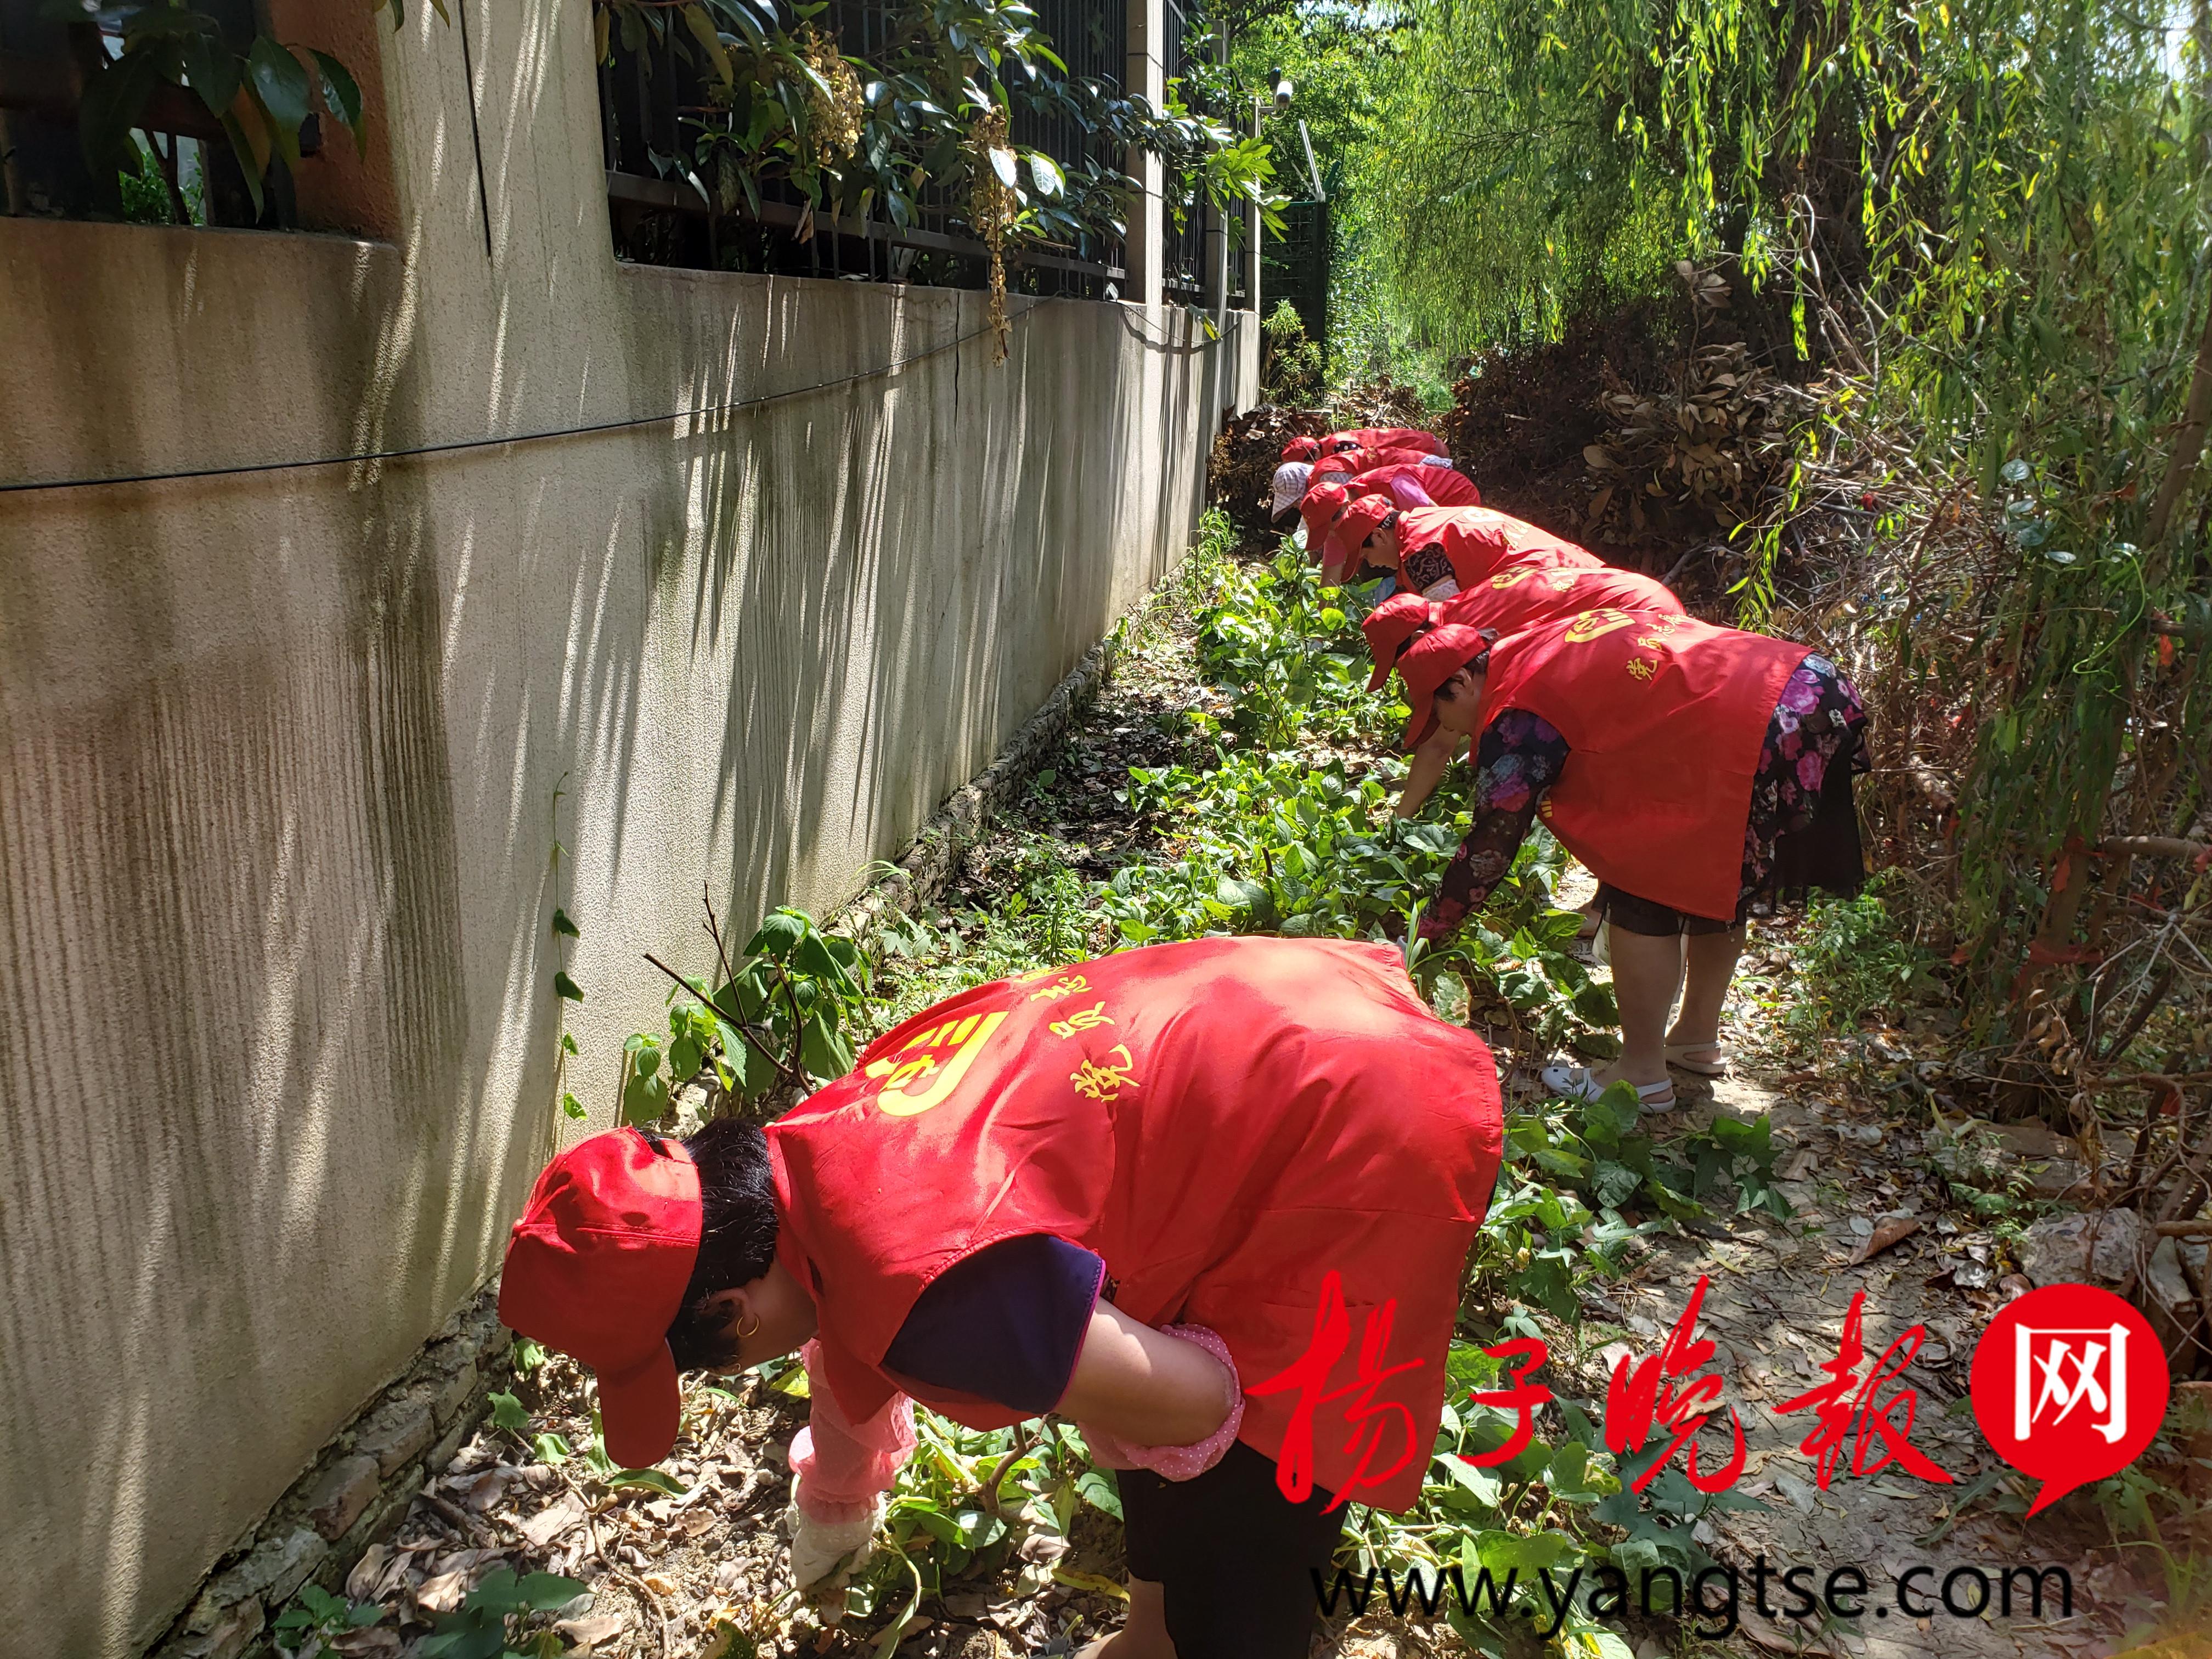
[{"x": 279, "y": 751}]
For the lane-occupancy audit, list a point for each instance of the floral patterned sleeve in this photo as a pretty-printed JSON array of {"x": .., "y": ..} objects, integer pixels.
[{"x": 1520, "y": 758}]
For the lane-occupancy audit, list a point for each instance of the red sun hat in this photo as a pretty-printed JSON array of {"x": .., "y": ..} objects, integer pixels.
[
  {"x": 596, "y": 1268},
  {"x": 1352, "y": 528},
  {"x": 1301, "y": 449},
  {"x": 1319, "y": 508},
  {"x": 1388, "y": 627},
  {"x": 1428, "y": 663}
]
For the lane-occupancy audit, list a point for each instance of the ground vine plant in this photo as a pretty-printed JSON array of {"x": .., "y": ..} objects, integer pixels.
[{"x": 1266, "y": 839}]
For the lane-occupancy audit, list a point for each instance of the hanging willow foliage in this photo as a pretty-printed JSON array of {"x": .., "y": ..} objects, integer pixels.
[{"x": 1988, "y": 225}]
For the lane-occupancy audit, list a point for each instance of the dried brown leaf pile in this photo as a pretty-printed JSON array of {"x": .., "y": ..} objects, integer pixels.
[
  {"x": 1695, "y": 457},
  {"x": 1247, "y": 454}
]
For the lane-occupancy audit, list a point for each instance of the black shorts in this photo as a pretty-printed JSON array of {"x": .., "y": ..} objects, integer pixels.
[
  {"x": 1632, "y": 914},
  {"x": 1235, "y": 1558}
]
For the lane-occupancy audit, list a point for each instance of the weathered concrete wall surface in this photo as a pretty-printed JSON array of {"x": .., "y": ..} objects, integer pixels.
[{"x": 279, "y": 751}]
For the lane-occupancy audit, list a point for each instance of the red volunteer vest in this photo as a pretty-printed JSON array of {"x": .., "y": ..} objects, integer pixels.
[
  {"x": 1523, "y": 595},
  {"x": 1384, "y": 437},
  {"x": 1665, "y": 716},
  {"x": 1443, "y": 485},
  {"x": 1226, "y": 1122},
  {"x": 1481, "y": 541},
  {"x": 1351, "y": 462}
]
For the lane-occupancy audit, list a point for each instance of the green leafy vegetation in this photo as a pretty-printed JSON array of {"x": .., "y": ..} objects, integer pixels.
[
  {"x": 928, "y": 106},
  {"x": 262, "y": 93},
  {"x": 317, "y": 1615},
  {"x": 502, "y": 1619},
  {"x": 1856, "y": 961},
  {"x": 781, "y": 1013},
  {"x": 1271, "y": 826}
]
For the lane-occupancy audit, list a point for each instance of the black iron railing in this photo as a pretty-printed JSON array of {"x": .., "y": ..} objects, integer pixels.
[{"x": 668, "y": 211}]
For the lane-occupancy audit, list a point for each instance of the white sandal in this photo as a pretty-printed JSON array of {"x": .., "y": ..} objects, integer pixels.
[
  {"x": 1576, "y": 1083},
  {"x": 1678, "y": 1054}
]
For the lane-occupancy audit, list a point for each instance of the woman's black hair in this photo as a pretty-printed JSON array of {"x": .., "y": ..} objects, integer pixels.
[{"x": 737, "y": 1237}]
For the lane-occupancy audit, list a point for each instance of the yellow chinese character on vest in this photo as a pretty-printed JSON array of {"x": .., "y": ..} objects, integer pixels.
[{"x": 929, "y": 1067}]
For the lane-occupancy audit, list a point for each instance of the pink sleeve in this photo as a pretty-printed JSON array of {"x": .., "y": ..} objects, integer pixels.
[
  {"x": 1407, "y": 494},
  {"x": 1178, "y": 1462},
  {"x": 841, "y": 1465}
]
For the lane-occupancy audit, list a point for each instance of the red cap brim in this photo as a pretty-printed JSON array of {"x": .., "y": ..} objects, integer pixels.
[
  {"x": 640, "y": 1411},
  {"x": 1423, "y": 720}
]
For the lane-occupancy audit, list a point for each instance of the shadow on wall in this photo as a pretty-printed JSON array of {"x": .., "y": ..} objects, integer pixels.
[{"x": 279, "y": 752}]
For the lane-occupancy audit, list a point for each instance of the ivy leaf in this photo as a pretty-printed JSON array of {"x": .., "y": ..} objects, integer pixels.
[
  {"x": 572, "y": 1106},
  {"x": 562, "y": 926},
  {"x": 777, "y": 936},
  {"x": 565, "y": 987},
  {"x": 1098, "y": 1488},
  {"x": 508, "y": 1413}
]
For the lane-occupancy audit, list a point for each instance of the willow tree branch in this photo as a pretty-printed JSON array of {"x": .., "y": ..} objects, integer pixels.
[{"x": 2188, "y": 441}]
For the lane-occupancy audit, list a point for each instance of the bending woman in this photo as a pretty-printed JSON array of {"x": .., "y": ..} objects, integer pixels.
[
  {"x": 1364, "y": 437},
  {"x": 1439, "y": 480},
  {"x": 1697, "y": 771},
  {"x": 1437, "y": 551},
  {"x": 1517, "y": 597},
  {"x": 1156, "y": 1193}
]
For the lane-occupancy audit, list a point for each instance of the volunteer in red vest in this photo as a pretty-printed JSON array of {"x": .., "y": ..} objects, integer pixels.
[
  {"x": 1180, "y": 1195},
  {"x": 1318, "y": 508},
  {"x": 1438, "y": 552},
  {"x": 1696, "y": 770},
  {"x": 1351, "y": 462},
  {"x": 1364, "y": 437},
  {"x": 1432, "y": 479},
  {"x": 1517, "y": 597}
]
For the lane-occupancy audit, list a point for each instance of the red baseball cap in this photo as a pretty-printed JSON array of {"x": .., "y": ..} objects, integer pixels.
[
  {"x": 1389, "y": 627},
  {"x": 1352, "y": 528},
  {"x": 1428, "y": 663},
  {"x": 1301, "y": 449},
  {"x": 597, "y": 1267},
  {"x": 1318, "y": 508}
]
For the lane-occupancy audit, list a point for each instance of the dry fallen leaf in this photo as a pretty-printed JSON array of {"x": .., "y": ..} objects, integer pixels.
[
  {"x": 442, "y": 1594},
  {"x": 1885, "y": 1236},
  {"x": 373, "y": 1642},
  {"x": 548, "y": 1524},
  {"x": 361, "y": 1582},
  {"x": 584, "y": 1633},
  {"x": 660, "y": 1583}
]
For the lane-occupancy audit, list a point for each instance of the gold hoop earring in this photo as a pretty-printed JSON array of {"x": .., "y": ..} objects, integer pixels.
[{"x": 745, "y": 1331}]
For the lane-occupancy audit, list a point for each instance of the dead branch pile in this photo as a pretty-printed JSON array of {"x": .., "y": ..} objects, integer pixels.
[
  {"x": 1248, "y": 451},
  {"x": 1695, "y": 458}
]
